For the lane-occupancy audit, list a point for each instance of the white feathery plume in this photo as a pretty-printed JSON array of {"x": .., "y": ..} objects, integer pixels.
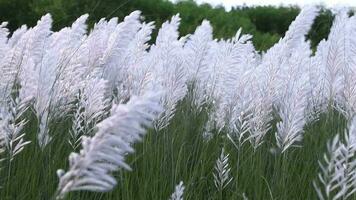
[
  {"x": 77, "y": 129},
  {"x": 235, "y": 81},
  {"x": 137, "y": 75},
  {"x": 277, "y": 56},
  {"x": 300, "y": 27},
  {"x": 105, "y": 152},
  {"x": 115, "y": 54},
  {"x": 317, "y": 99},
  {"x": 227, "y": 83},
  {"x": 348, "y": 153},
  {"x": 91, "y": 106},
  {"x": 292, "y": 113},
  {"x": 140, "y": 43},
  {"x": 7, "y": 69},
  {"x": 95, "y": 101},
  {"x": 71, "y": 69},
  {"x": 120, "y": 38},
  {"x": 12, "y": 62},
  {"x": 25, "y": 59},
  {"x": 260, "y": 114},
  {"x": 197, "y": 61},
  {"x": 330, "y": 171},
  {"x": 28, "y": 48},
  {"x": 221, "y": 174},
  {"x": 36, "y": 37},
  {"x": 281, "y": 83},
  {"x": 27, "y": 45},
  {"x": 11, "y": 108},
  {"x": 17, "y": 35},
  {"x": 292, "y": 92},
  {"x": 178, "y": 192},
  {"x": 165, "y": 63},
  {"x": 12, "y": 127},
  {"x": 54, "y": 72},
  {"x": 239, "y": 129},
  {"x": 176, "y": 89},
  {"x": 333, "y": 57},
  {"x": 4, "y": 32},
  {"x": 96, "y": 44},
  {"x": 196, "y": 49},
  {"x": 347, "y": 100},
  {"x": 169, "y": 32}
]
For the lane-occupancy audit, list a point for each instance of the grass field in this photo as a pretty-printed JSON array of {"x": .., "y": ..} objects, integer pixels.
[
  {"x": 185, "y": 118},
  {"x": 180, "y": 152}
]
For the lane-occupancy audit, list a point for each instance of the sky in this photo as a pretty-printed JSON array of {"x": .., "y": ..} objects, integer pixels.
[{"x": 229, "y": 3}]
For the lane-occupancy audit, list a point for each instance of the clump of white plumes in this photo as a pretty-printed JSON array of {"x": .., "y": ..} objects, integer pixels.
[{"x": 337, "y": 179}]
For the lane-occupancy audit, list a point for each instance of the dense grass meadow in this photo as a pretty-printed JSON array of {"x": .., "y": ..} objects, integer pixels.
[
  {"x": 179, "y": 152},
  {"x": 105, "y": 113}
]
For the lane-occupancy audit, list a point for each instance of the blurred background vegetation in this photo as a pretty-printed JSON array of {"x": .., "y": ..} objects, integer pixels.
[{"x": 266, "y": 23}]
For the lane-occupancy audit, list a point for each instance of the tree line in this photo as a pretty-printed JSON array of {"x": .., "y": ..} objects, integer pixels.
[{"x": 266, "y": 23}]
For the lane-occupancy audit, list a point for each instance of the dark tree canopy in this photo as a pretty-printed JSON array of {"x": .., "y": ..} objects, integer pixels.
[{"x": 266, "y": 23}]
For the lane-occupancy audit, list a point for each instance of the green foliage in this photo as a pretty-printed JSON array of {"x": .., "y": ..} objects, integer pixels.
[
  {"x": 321, "y": 27},
  {"x": 267, "y": 24}
]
